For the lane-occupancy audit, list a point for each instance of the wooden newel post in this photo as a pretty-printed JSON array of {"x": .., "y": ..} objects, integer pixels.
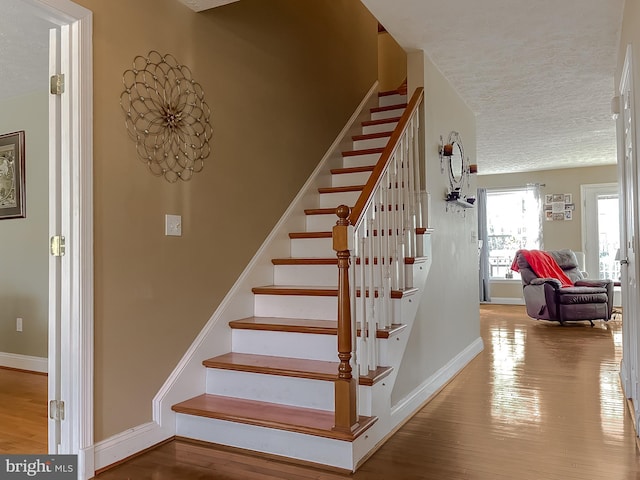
[{"x": 345, "y": 386}]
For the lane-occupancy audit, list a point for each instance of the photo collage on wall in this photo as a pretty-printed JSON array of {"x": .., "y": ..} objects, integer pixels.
[{"x": 558, "y": 207}]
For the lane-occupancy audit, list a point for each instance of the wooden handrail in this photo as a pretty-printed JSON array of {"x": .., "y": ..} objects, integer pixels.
[
  {"x": 387, "y": 154},
  {"x": 346, "y": 415}
]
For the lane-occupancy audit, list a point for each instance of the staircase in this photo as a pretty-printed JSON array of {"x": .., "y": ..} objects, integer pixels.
[{"x": 276, "y": 391}]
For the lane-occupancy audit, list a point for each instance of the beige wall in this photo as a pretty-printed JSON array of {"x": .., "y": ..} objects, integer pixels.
[
  {"x": 24, "y": 260},
  {"x": 392, "y": 62},
  {"x": 556, "y": 234},
  {"x": 280, "y": 84},
  {"x": 448, "y": 316}
]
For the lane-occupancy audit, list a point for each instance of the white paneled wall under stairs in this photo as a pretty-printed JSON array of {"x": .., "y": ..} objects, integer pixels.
[{"x": 274, "y": 391}]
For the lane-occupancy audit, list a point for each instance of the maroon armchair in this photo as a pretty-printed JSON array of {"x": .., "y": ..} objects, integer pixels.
[{"x": 545, "y": 299}]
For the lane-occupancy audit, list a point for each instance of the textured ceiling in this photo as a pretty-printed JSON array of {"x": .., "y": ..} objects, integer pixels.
[
  {"x": 24, "y": 49},
  {"x": 537, "y": 74}
]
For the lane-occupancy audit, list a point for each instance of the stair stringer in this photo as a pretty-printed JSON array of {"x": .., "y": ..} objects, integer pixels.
[
  {"x": 375, "y": 400},
  {"x": 188, "y": 378}
]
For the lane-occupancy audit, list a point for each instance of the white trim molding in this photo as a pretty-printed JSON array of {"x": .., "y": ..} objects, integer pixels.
[
  {"x": 201, "y": 5},
  {"x": 506, "y": 301},
  {"x": 24, "y": 362},
  {"x": 407, "y": 407},
  {"x": 127, "y": 443},
  {"x": 74, "y": 139}
]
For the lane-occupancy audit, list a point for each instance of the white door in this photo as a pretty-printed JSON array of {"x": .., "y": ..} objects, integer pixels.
[{"x": 628, "y": 173}]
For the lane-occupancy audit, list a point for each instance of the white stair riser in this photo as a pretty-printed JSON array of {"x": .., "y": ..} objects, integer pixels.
[
  {"x": 387, "y": 114},
  {"x": 368, "y": 397},
  {"x": 313, "y": 275},
  {"x": 293, "y": 445},
  {"x": 383, "y": 127},
  {"x": 306, "y": 275},
  {"x": 360, "y": 160},
  {"x": 370, "y": 143},
  {"x": 296, "y": 306},
  {"x": 413, "y": 273},
  {"x": 321, "y": 223},
  {"x": 297, "y": 392},
  {"x": 312, "y": 247},
  {"x": 286, "y": 344},
  {"x": 346, "y": 179},
  {"x": 332, "y": 200},
  {"x": 391, "y": 100}
]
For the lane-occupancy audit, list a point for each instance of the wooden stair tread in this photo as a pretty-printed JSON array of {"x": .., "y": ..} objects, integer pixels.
[
  {"x": 318, "y": 291},
  {"x": 371, "y": 136},
  {"x": 305, "y": 261},
  {"x": 423, "y": 230},
  {"x": 390, "y": 331},
  {"x": 388, "y": 107},
  {"x": 312, "y": 291},
  {"x": 271, "y": 415},
  {"x": 415, "y": 260},
  {"x": 362, "y": 151},
  {"x": 386, "y": 93},
  {"x": 294, "y": 325},
  {"x": 272, "y": 365},
  {"x": 374, "y": 376},
  {"x": 310, "y": 234},
  {"x": 340, "y": 171},
  {"x": 302, "y": 325},
  {"x": 348, "y": 188},
  {"x": 382, "y": 121}
]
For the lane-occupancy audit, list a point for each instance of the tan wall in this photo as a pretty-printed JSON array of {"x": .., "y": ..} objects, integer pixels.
[
  {"x": 555, "y": 234},
  {"x": 448, "y": 317},
  {"x": 392, "y": 63},
  {"x": 24, "y": 261},
  {"x": 281, "y": 79}
]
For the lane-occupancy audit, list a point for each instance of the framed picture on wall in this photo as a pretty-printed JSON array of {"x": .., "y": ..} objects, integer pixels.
[{"x": 12, "y": 175}]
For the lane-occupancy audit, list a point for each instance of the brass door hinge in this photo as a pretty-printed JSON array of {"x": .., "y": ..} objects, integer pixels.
[
  {"x": 58, "y": 246},
  {"x": 57, "y": 84},
  {"x": 56, "y": 410}
]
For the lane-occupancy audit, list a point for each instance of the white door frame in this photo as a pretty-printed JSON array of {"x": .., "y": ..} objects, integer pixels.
[
  {"x": 629, "y": 223},
  {"x": 589, "y": 198},
  {"x": 72, "y": 129}
]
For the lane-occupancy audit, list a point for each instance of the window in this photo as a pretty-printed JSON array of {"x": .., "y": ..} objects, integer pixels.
[{"x": 514, "y": 221}]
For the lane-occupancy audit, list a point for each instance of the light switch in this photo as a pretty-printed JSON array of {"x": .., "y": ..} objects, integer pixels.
[{"x": 173, "y": 225}]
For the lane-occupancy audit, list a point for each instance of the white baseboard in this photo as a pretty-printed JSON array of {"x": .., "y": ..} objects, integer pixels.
[
  {"x": 507, "y": 301},
  {"x": 86, "y": 467},
  {"x": 127, "y": 443},
  {"x": 407, "y": 407},
  {"x": 24, "y": 362}
]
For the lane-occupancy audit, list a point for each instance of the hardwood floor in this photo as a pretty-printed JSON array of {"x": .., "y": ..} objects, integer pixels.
[
  {"x": 541, "y": 402},
  {"x": 23, "y": 412}
]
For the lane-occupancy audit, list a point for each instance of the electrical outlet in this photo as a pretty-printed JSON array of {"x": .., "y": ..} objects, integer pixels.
[{"x": 18, "y": 324}]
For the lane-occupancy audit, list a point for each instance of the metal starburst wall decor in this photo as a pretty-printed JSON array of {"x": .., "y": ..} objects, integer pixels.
[{"x": 166, "y": 116}]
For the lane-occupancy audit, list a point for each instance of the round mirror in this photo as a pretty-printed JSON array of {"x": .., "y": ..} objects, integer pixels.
[{"x": 456, "y": 163}]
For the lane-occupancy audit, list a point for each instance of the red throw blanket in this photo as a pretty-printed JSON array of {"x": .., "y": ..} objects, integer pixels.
[{"x": 544, "y": 265}]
